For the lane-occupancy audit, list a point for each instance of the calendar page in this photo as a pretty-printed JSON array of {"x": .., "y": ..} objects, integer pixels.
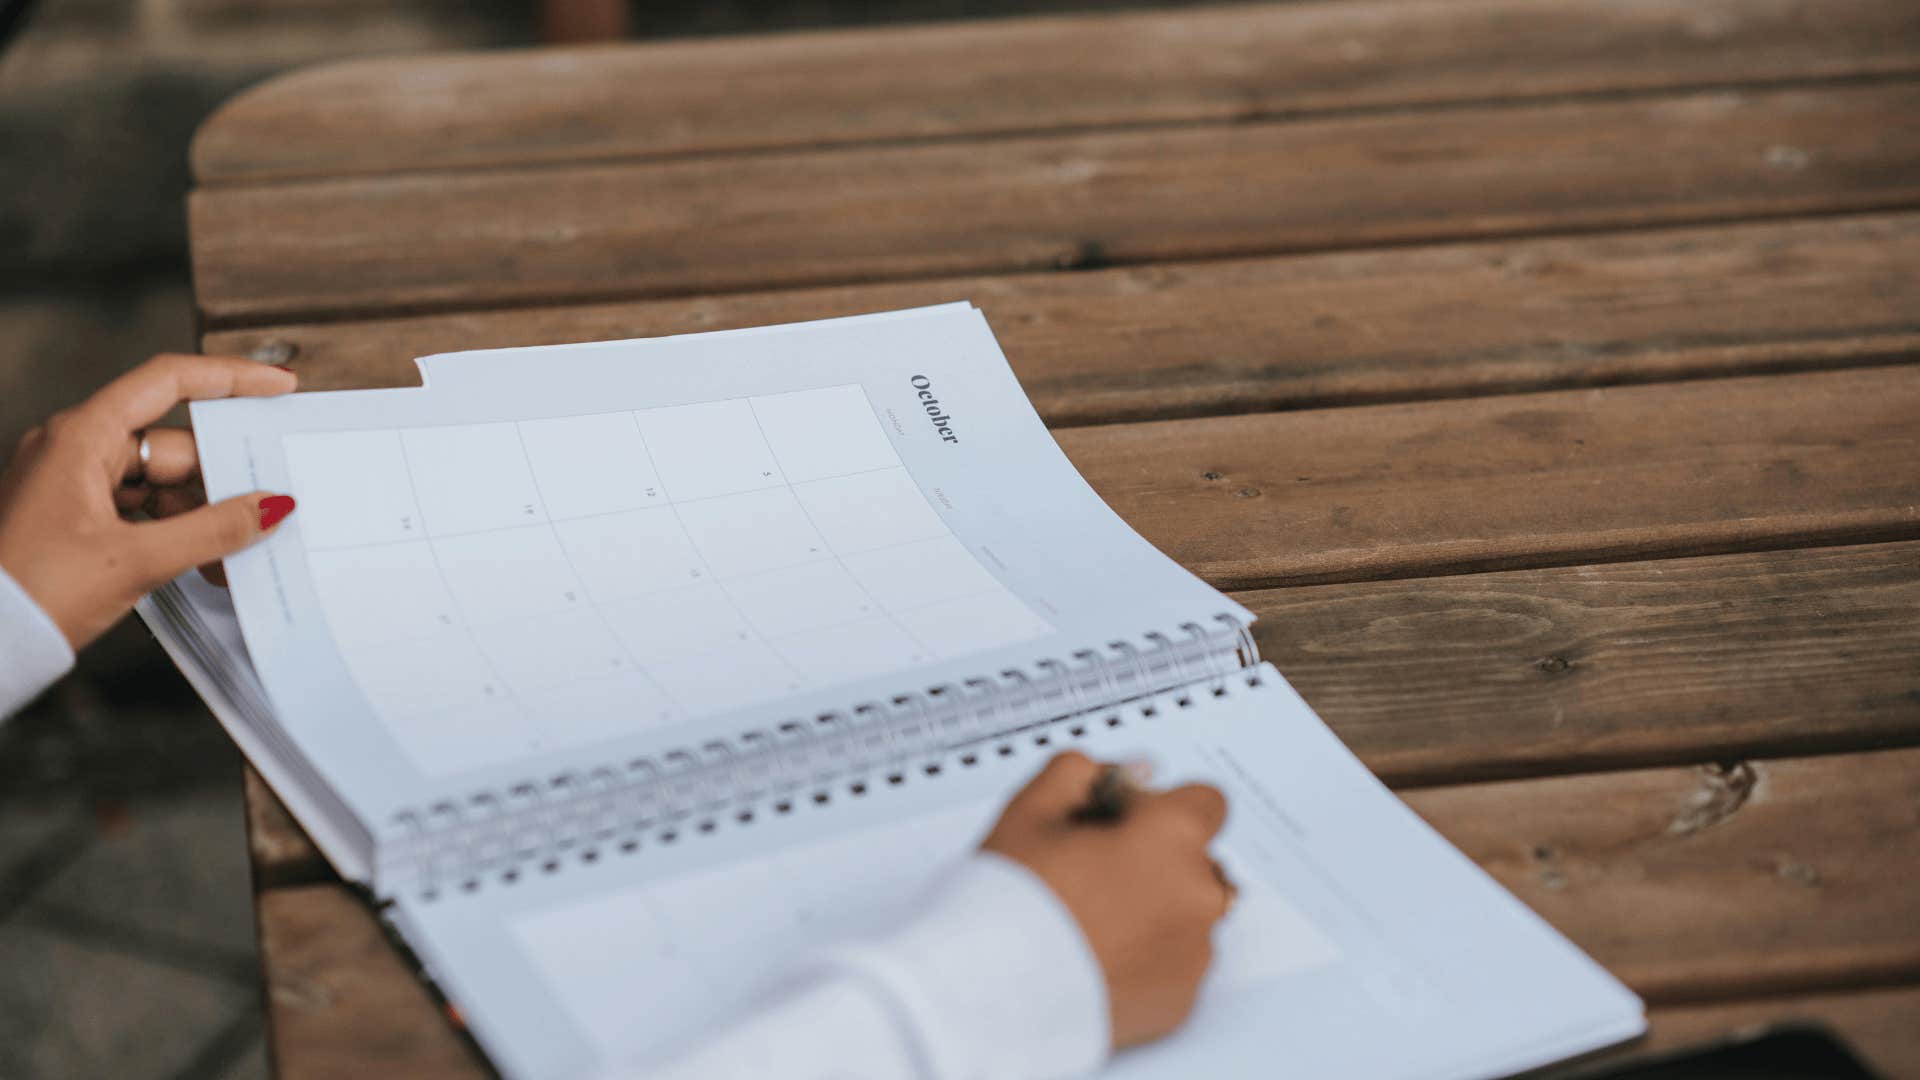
[
  {"x": 603, "y": 968},
  {"x": 550, "y": 557}
]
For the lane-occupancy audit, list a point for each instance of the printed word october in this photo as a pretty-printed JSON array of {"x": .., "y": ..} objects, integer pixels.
[{"x": 942, "y": 423}]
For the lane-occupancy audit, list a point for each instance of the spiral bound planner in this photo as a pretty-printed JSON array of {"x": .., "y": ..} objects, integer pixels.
[{"x": 680, "y": 655}]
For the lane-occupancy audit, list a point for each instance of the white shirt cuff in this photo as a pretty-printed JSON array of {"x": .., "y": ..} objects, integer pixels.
[
  {"x": 994, "y": 978},
  {"x": 33, "y": 651}
]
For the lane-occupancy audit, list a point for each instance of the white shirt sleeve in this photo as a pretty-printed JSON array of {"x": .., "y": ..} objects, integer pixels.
[
  {"x": 994, "y": 981},
  {"x": 33, "y": 651}
]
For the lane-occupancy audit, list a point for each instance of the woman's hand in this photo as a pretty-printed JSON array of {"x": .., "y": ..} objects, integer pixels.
[
  {"x": 1143, "y": 889},
  {"x": 62, "y": 536}
]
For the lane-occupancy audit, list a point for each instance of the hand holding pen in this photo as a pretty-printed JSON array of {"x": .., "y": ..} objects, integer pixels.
[{"x": 1132, "y": 866}]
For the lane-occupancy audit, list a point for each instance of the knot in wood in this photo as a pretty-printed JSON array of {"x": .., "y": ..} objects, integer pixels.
[
  {"x": 1085, "y": 255},
  {"x": 1551, "y": 876},
  {"x": 1791, "y": 869},
  {"x": 1723, "y": 789},
  {"x": 1788, "y": 158},
  {"x": 304, "y": 995}
]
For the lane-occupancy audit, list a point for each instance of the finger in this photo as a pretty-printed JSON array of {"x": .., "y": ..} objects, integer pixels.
[
  {"x": 171, "y": 457},
  {"x": 1058, "y": 789},
  {"x": 174, "y": 501},
  {"x": 159, "y": 503},
  {"x": 171, "y": 547},
  {"x": 1200, "y": 804},
  {"x": 1229, "y": 889},
  {"x": 215, "y": 573},
  {"x": 147, "y": 393}
]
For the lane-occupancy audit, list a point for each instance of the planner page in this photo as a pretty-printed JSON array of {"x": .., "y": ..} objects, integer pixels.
[
  {"x": 1361, "y": 945},
  {"x": 556, "y": 558},
  {"x": 195, "y": 625}
]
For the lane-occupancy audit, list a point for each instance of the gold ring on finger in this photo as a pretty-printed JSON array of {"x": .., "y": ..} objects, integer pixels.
[{"x": 143, "y": 460}]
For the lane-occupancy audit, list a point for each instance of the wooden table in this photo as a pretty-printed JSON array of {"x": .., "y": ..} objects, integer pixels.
[{"x": 1538, "y": 370}]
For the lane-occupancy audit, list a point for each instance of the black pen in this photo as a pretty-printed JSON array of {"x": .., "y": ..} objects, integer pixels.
[{"x": 1111, "y": 792}]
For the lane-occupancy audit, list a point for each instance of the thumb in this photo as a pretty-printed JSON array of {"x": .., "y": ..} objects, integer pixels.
[{"x": 174, "y": 546}]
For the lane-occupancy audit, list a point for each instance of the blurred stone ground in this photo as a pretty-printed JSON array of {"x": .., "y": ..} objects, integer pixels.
[{"x": 126, "y": 931}]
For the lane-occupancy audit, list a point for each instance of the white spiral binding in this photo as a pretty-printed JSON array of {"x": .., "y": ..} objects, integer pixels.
[{"x": 539, "y": 825}]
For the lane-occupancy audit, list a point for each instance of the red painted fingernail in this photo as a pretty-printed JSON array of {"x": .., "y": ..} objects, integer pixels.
[{"x": 274, "y": 509}]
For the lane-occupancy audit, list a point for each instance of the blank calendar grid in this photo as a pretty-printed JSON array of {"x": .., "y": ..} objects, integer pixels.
[{"x": 504, "y": 588}]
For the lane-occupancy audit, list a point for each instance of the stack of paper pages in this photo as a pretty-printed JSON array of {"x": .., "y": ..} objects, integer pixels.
[{"x": 623, "y": 674}]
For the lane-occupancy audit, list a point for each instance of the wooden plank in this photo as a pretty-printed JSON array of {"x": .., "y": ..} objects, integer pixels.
[
  {"x": 1450, "y": 679},
  {"x": 1688, "y": 883},
  {"x": 402, "y": 244},
  {"x": 1572, "y": 668},
  {"x": 1236, "y": 336},
  {"x": 1527, "y": 480},
  {"x": 1239, "y": 62},
  {"x": 1764, "y": 877}
]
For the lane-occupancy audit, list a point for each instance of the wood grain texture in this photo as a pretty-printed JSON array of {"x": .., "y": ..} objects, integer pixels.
[
  {"x": 1572, "y": 668},
  {"x": 1775, "y": 877},
  {"x": 1452, "y": 679},
  {"x": 1207, "y": 175},
  {"x": 1240, "y": 62},
  {"x": 1526, "y": 480},
  {"x": 402, "y": 244},
  {"x": 1717, "y": 881},
  {"x": 1176, "y": 340}
]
